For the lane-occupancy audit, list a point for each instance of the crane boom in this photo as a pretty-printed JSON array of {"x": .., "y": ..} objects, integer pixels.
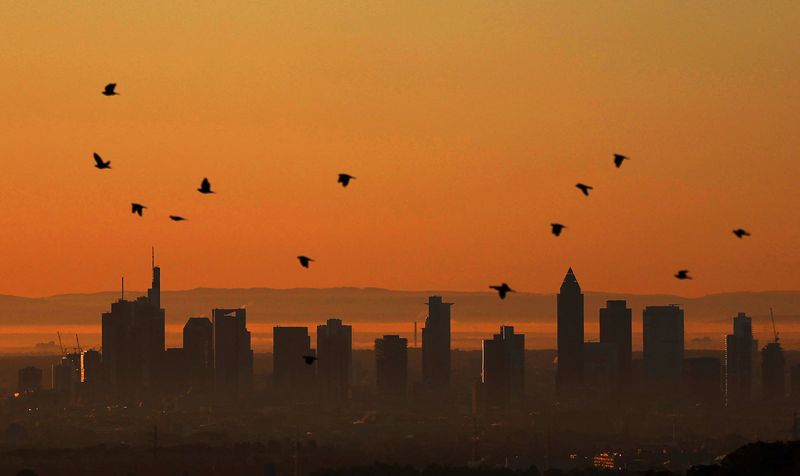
[
  {"x": 774, "y": 330},
  {"x": 60, "y": 345}
]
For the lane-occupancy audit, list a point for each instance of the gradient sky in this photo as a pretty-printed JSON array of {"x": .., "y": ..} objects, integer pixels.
[{"x": 467, "y": 124}]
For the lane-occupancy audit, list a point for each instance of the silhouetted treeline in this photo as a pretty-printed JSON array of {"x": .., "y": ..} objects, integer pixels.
[{"x": 775, "y": 459}]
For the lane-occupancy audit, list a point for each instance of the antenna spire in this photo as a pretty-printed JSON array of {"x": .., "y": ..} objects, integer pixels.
[
  {"x": 153, "y": 256},
  {"x": 122, "y": 297}
]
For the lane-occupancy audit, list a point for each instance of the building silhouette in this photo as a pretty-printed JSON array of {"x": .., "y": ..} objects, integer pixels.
[
  {"x": 29, "y": 380},
  {"x": 773, "y": 371},
  {"x": 600, "y": 366},
  {"x": 391, "y": 367},
  {"x": 794, "y": 383},
  {"x": 740, "y": 350},
  {"x": 503, "y": 367},
  {"x": 65, "y": 378},
  {"x": 702, "y": 381},
  {"x": 198, "y": 352},
  {"x": 436, "y": 343},
  {"x": 570, "y": 333},
  {"x": 663, "y": 343},
  {"x": 335, "y": 359},
  {"x": 291, "y": 375},
  {"x": 91, "y": 367},
  {"x": 133, "y": 342},
  {"x": 233, "y": 355},
  {"x": 616, "y": 329}
]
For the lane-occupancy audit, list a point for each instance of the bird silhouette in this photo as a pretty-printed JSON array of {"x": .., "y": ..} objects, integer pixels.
[
  {"x": 109, "y": 90},
  {"x": 741, "y": 232},
  {"x": 205, "y": 187},
  {"x": 176, "y": 218},
  {"x": 683, "y": 274},
  {"x": 557, "y": 227},
  {"x": 584, "y": 188},
  {"x": 309, "y": 359},
  {"x": 502, "y": 290},
  {"x": 344, "y": 179},
  {"x": 137, "y": 208},
  {"x": 98, "y": 162},
  {"x": 618, "y": 158},
  {"x": 304, "y": 260}
]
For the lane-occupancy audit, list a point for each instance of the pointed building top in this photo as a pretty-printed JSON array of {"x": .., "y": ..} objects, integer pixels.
[{"x": 570, "y": 281}]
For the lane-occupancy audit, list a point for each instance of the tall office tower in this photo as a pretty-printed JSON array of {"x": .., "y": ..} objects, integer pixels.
[
  {"x": 233, "y": 355},
  {"x": 663, "y": 343},
  {"x": 335, "y": 353},
  {"x": 91, "y": 366},
  {"x": 600, "y": 367},
  {"x": 391, "y": 367},
  {"x": 570, "y": 333},
  {"x": 436, "y": 343},
  {"x": 198, "y": 352},
  {"x": 293, "y": 377},
  {"x": 773, "y": 371},
  {"x": 63, "y": 377},
  {"x": 740, "y": 350},
  {"x": 615, "y": 328},
  {"x": 702, "y": 381},
  {"x": 30, "y": 380},
  {"x": 133, "y": 342},
  {"x": 503, "y": 367}
]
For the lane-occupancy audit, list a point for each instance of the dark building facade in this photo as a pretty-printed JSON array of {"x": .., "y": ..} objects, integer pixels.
[
  {"x": 740, "y": 348},
  {"x": 291, "y": 375},
  {"x": 391, "y": 367},
  {"x": 503, "y": 367},
  {"x": 702, "y": 381},
  {"x": 616, "y": 329},
  {"x": 198, "y": 353},
  {"x": 133, "y": 343},
  {"x": 29, "y": 380},
  {"x": 663, "y": 344},
  {"x": 436, "y": 343},
  {"x": 600, "y": 367},
  {"x": 794, "y": 383},
  {"x": 570, "y": 333},
  {"x": 335, "y": 354},
  {"x": 233, "y": 355},
  {"x": 773, "y": 371}
]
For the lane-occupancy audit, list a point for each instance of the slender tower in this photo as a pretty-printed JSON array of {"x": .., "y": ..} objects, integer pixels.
[
  {"x": 154, "y": 293},
  {"x": 570, "y": 333}
]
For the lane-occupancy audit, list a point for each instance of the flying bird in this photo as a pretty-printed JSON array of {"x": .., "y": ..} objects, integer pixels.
[
  {"x": 98, "y": 162},
  {"x": 309, "y": 359},
  {"x": 344, "y": 179},
  {"x": 557, "y": 227},
  {"x": 741, "y": 232},
  {"x": 109, "y": 90},
  {"x": 502, "y": 290},
  {"x": 584, "y": 188},
  {"x": 683, "y": 274},
  {"x": 205, "y": 187},
  {"x": 137, "y": 208},
  {"x": 618, "y": 158},
  {"x": 304, "y": 260},
  {"x": 176, "y": 218}
]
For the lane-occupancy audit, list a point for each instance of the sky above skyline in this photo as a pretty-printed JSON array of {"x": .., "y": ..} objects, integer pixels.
[{"x": 467, "y": 125}]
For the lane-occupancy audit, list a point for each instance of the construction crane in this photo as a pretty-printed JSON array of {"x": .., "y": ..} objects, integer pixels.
[
  {"x": 60, "y": 345},
  {"x": 78, "y": 343},
  {"x": 774, "y": 331}
]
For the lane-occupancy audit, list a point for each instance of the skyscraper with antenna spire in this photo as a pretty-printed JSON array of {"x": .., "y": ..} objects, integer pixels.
[{"x": 570, "y": 333}]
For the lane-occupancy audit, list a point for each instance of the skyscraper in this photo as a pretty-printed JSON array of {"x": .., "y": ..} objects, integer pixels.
[
  {"x": 133, "y": 342},
  {"x": 436, "y": 343},
  {"x": 292, "y": 376},
  {"x": 391, "y": 367},
  {"x": 773, "y": 371},
  {"x": 198, "y": 352},
  {"x": 615, "y": 328},
  {"x": 739, "y": 352},
  {"x": 663, "y": 343},
  {"x": 570, "y": 333},
  {"x": 233, "y": 356},
  {"x": 30, "y": 380},
  {"x": 503, "y": 367},
  {"x": 600, "y": 367},
  {"x": 335, "y": 353}
]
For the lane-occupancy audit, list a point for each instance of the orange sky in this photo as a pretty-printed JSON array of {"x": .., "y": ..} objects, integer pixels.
[{"x": 466, "y": 123}]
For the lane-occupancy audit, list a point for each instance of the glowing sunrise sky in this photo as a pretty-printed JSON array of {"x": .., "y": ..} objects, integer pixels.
[{"x": 467, "y": 125}]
